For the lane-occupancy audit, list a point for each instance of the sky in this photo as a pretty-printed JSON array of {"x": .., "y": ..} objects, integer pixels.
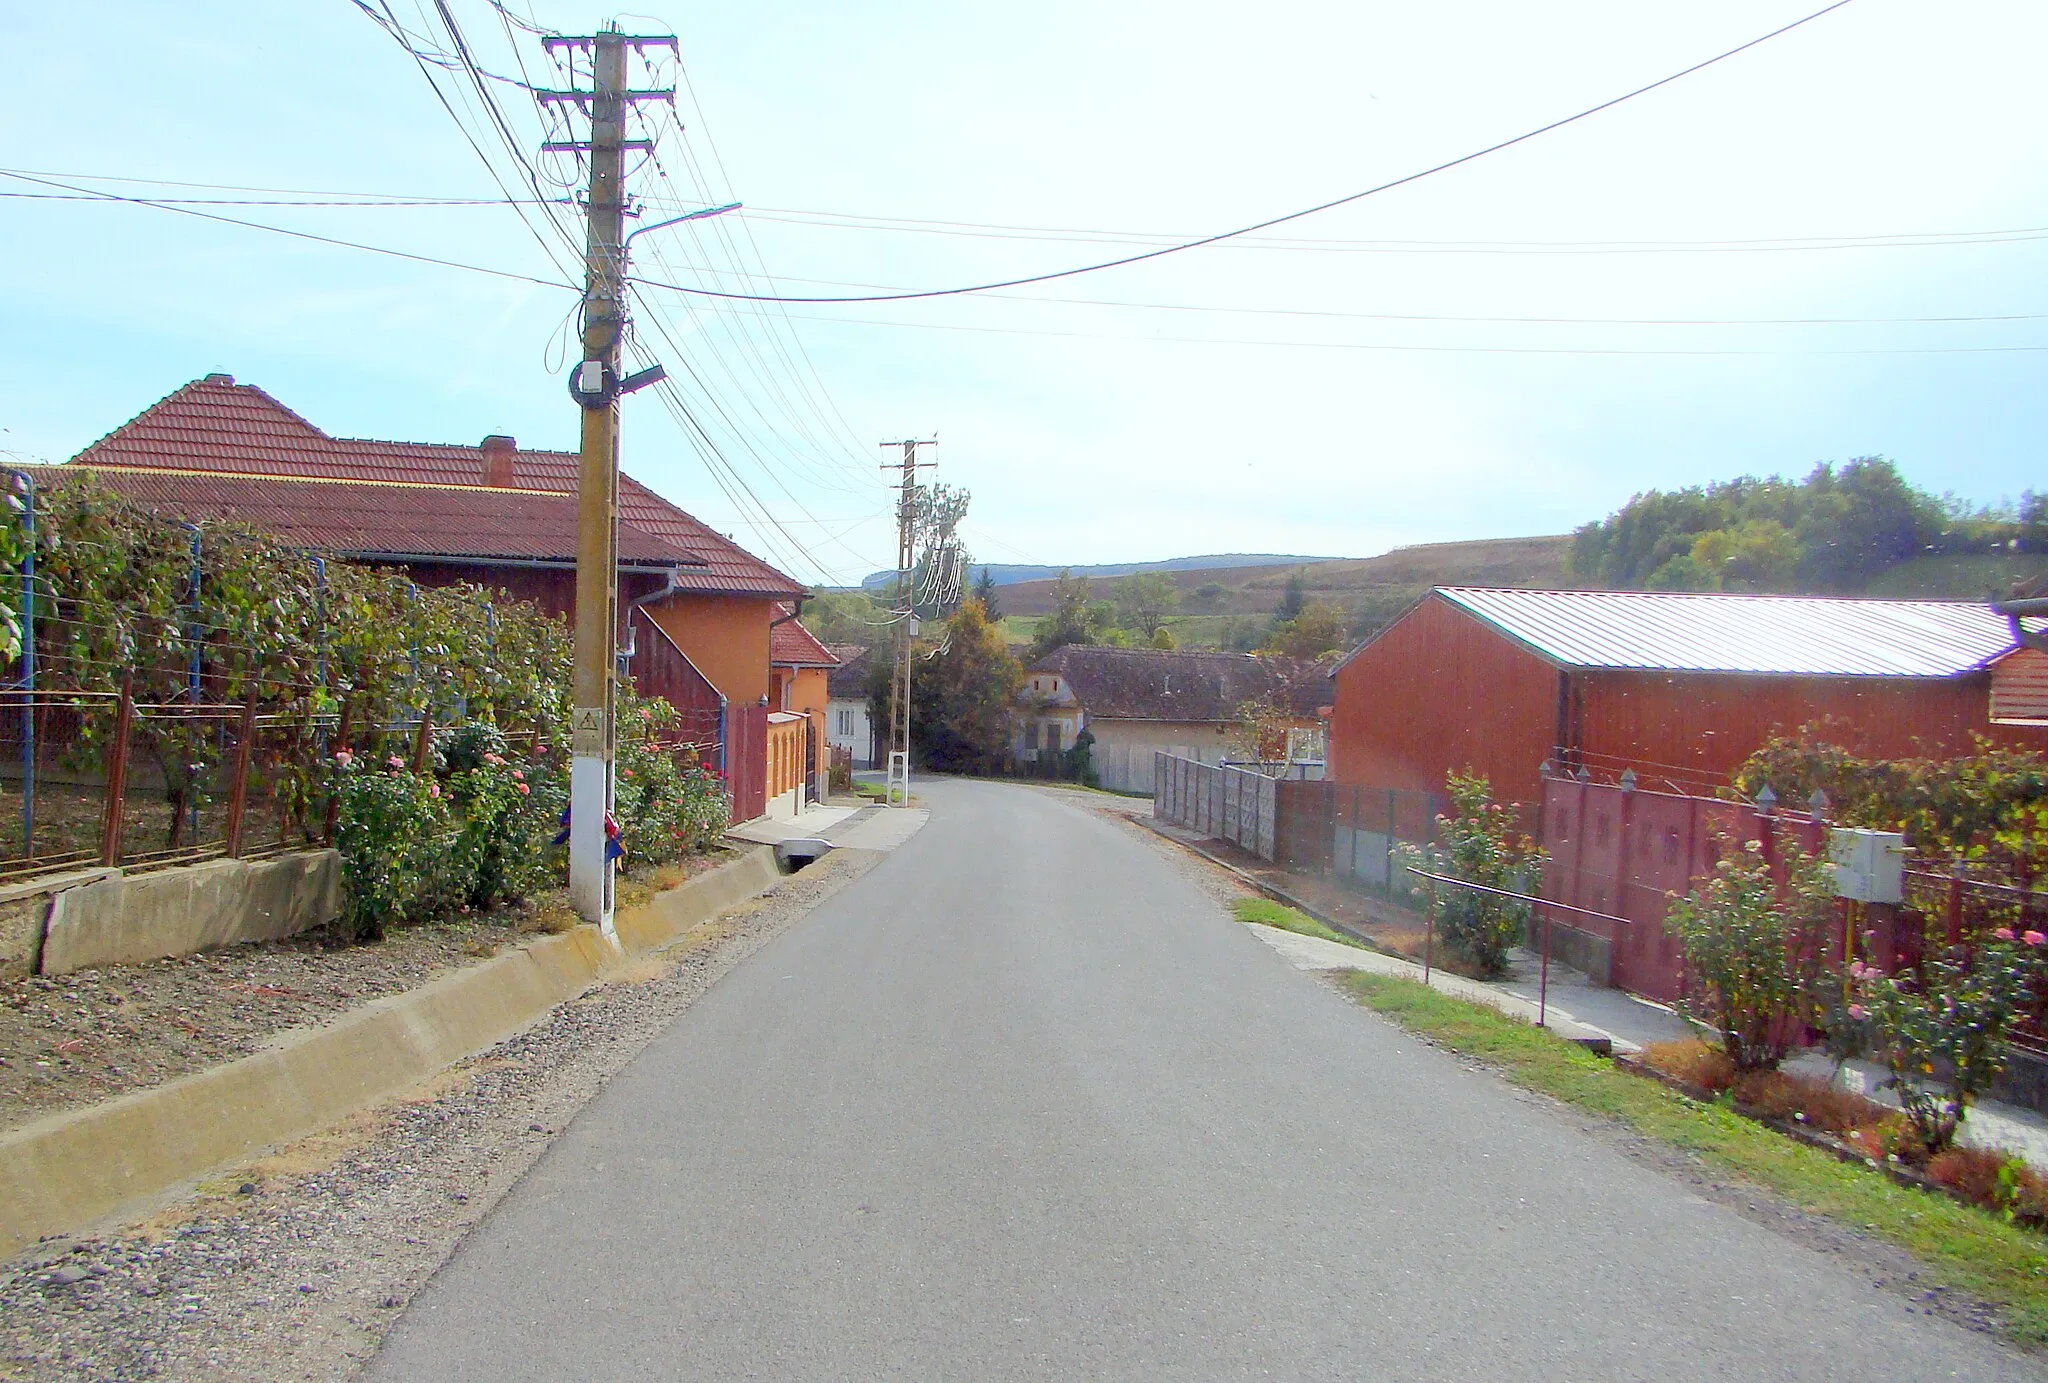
[{"x": 1731, "y": 275}]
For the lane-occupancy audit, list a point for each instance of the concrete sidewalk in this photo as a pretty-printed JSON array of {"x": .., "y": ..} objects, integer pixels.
[{"x": 1579, "y": 1009}]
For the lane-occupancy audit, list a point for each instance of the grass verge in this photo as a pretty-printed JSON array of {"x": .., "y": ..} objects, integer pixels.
[
  {"x": 1963, "y": 1248},
  {"x": 1268, "y": 913}
]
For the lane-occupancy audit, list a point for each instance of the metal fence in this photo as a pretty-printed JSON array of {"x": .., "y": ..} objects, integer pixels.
[{"x": 1233, "y": 804}]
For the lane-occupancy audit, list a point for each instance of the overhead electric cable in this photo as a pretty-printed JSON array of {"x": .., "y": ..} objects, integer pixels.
[
  {"x": 294, "y": 234},
  {"x": 1290, "y": 216}
]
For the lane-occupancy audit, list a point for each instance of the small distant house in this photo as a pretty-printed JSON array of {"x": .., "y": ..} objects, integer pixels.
[
  {"x": 1138, "y": 702},
  {"x": 1679, "y": 687},
  {"x": 847, "y": 725}
]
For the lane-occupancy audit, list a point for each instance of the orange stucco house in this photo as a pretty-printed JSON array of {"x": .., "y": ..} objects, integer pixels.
[{"x": 710, "y": 627}]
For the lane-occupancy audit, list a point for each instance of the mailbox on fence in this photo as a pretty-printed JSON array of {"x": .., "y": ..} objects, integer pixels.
[{"x": 1869, "y": 865}]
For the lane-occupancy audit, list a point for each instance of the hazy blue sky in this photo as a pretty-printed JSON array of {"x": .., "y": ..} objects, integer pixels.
[{"x": 1270, "y": 397}]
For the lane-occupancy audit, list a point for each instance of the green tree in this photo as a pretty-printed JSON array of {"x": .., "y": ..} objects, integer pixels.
[
  {"x": 1315, "y": 631},
  {"x": 1292, "y": 598},
  {"x": 1759, "y": 555},
  {"x": 961, "y": 692},
  {"x": 1070, "y": 621},
  {"x": 1163, "y": 640},
  {"x": 1144, "y": 599},
  {"x": 985, "y": 592}
]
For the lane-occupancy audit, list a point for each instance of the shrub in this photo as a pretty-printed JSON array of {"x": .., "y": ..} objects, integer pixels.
[
  {"x": 1754, "y": 954},
  {"x": 391, "y": 827},
  {"x": 667, "y": 803},
  {"x": 1942, "y": 1033},
  {"x": 502, "y": 849},
  {"x": 1692, "y": 1061},
  {"x": 1480, "y": 843}
]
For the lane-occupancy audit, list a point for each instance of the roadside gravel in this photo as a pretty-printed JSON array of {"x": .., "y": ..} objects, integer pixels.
[
  {"x": 69, "y": 1040},
  {"x": 294, "y": 1266}
]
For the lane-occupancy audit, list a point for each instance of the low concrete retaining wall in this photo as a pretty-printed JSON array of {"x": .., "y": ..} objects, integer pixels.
[
  {"x": 71, "y": 1170},
  {"x": 122, "y": 919}
]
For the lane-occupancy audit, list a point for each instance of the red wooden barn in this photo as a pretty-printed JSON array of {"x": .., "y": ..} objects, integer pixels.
[{"x": 1681, "y": 687}]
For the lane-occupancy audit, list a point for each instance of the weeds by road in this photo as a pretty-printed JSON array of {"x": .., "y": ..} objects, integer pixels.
[
  {"x": 1964, "y": 1249},
  {"x": 1268, "y": 913}
]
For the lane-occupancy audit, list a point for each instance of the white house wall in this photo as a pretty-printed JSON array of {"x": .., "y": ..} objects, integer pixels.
[
  {"x": 858, "y": 737},
  {"x": 1123, "y": 749}
]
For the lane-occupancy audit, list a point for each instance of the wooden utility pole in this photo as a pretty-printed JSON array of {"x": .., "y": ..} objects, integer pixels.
[
  {"x": 906, "y": 619},
  {"x": 596, "y": 388}
]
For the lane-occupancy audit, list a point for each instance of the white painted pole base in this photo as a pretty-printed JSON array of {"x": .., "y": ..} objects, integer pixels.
[
  {"x": 589, "y": 870},
  {"x": 898, "y": 779}
]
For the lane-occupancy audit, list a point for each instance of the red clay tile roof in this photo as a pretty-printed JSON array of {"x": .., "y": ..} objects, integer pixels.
[
  {"x": 215, "y": 424},
  {"x": 792, "y": 645},
  {"x": 352, "y": 519},
  {"x": 1148, "y": 684}
]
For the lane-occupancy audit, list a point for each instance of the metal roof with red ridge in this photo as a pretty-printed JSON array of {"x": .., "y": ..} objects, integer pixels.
[
  {"x": 1713, "y": 632},
  {"x": 216, "y": 425},
  {"x": 792, "y": 645},
  {"x": 380, "y": 521}
]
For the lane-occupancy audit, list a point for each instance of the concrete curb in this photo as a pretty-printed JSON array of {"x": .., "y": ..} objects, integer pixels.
[{"x": 117, "y": 1159}]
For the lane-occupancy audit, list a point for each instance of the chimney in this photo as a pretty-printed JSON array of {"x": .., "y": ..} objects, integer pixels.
[
  {"x": 499, "y": 455},
  {"x": 218, "y": 379}
]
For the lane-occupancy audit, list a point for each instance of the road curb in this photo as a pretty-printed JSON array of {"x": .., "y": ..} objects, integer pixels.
[
  {"x": 114, "y": 1160},
  {"x": 1273, "y": 891}
]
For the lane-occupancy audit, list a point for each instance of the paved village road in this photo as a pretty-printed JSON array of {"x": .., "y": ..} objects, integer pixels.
[{"x": 1023, "y": 1104}]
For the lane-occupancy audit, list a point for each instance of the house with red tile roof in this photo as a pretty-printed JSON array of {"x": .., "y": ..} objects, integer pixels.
[{"x": 711, "y": 628}]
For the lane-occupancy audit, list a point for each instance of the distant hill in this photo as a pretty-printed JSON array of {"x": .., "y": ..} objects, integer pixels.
[
  {"x": 1369, "y": 590},
  {"x": 1011, "y": 574}
]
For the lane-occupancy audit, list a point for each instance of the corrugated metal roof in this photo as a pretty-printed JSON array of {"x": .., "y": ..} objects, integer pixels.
[
  {"x": 1795, "y": 636},
  {"x": 215, "y": 424},
  {"x": 353, "y": 519}
]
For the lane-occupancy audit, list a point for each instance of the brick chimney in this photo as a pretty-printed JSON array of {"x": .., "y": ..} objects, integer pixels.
[{"x": 500, "y": 454}]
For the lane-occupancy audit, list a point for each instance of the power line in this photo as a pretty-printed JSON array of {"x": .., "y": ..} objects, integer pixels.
[
  {"x": 1067, "y": 235},
  {"x": 1290, "y": 216},
  {"x": 854, "y": 221},
  {"x": 1427, "y": 349},
  {"x": 286, "y": 230}
]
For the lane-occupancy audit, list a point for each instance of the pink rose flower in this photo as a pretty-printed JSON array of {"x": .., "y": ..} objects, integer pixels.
[
  {"x": 2033, "y": 938},
  {"x": 395, "y": 761},
  {"x": 343, "y": 757},
  {"x": 518, "y": 776},
  {"x": 2003, "y": 934},
  {"x": 433, "y": 789},
  {"x": 1856, "y": 970},
  {"x": 1858, "y": 1012},
  {"x": 524, "y": 790},
  {"x": 625, "y": 773}
]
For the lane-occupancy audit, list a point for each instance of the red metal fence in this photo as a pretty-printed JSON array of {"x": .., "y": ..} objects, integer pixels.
[{"x": 1626, "y": 851}]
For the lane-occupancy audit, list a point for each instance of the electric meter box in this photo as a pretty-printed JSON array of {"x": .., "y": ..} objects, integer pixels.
[{"x": 1870, "y": 866}]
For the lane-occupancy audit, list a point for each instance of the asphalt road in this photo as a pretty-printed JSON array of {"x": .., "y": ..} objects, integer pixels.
[{"x": 1023, "y": 1103}]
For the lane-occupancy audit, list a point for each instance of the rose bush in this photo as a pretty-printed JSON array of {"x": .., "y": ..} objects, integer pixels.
[
  {"x": 1755, "y": 953},
  {"x": 1942, "y": 1032},
  {"x": 1479, "y": 842}
]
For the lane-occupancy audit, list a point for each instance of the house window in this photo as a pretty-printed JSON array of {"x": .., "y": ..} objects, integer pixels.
[
  {"x": 1052, "y": 736},
  {"x": 1031, "y": 736},
  {"x": 845, "y": 721}
]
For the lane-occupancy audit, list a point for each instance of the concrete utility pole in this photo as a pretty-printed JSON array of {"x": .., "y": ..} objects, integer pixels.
[
  {"x": 596, "y": 386},
  {"x": 906, "y": 619}
]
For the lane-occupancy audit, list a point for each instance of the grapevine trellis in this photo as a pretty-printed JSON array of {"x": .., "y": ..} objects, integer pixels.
[{"x": 197, "y": 648}]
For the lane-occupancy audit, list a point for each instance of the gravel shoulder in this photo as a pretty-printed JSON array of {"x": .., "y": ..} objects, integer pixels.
[
  {"x": 71, "y": 1040},
  {"x": 294, "y": 1266}
]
